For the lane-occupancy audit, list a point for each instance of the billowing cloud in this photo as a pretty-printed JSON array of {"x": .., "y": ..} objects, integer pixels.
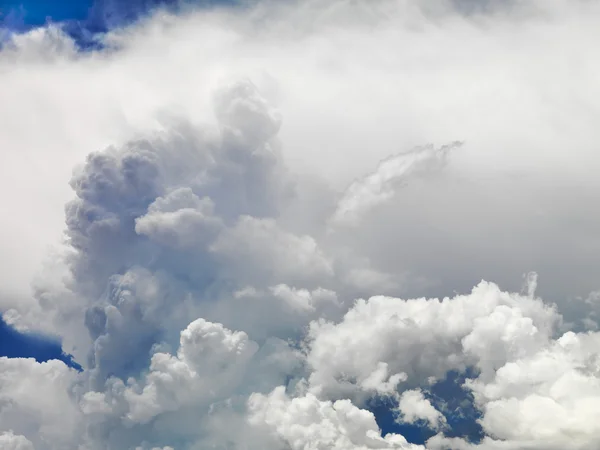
[
  {"x": 245, "y": 266},
  {"x": 180, "y": 219},
  {"x": 306, "y": 422},
  {"x": 424, "y": 338},
  {"x": 37, "y": 408}
]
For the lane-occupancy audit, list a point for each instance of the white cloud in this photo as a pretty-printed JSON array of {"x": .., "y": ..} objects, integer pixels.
[
  {"x": 307, "y": 423},
  {"x": 381, "y": 185},
  {"x": 380, "y": 86},
  {"x": 424, "y": 338},
  {"x": 209, "y": 364},
  {"x": 548, "y": 400},
  {"x": 37, "y": 408},
  {"x": 204, "y": 205},
  {"x": 414, "y": 407},
  {"x": 180, "y": 219},
  {"x": 10, "y": 441},
  {"x": 253, "y": 242}
]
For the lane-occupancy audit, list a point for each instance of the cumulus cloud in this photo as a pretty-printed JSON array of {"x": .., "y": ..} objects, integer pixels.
[
  {"x": 306, "y": 422},
  {"x": 210, "y": 360},
  {"x": 205, "y": 281},
  {"x": 37, "y": 408},
  {"x": 414, "y": 406},
  {"x": 179, "y": 219},
  {"x": 547, "y": 400},
  {"x": 10, "y": 441}
]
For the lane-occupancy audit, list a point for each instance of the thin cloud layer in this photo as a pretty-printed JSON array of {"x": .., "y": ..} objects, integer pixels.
[{"x": 245, "y": 266}]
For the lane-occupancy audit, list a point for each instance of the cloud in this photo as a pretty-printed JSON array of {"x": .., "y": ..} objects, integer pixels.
[
  {"x": 513, "y": 178},
  {"x": 210, "y": 361},
  {"x": 10, "y": 441},
  {"x": 547, "y": 400},
  {"x": 414, "y": 406},
  {"x": 380, "y": 186},
  {"x": 423, "y": 338},
  {"x": 37, "y": 409},
  {"x": 204, "y": 282},
  {"x": 306, "y": 422},
  {"x": 290, "y": 257},
  {"x": 179, "y": 219}
]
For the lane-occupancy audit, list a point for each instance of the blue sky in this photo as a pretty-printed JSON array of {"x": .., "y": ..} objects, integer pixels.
[
  {"x": 85, "y": 20},
  {"x": 14, "y": 344},
  {"x": 36, "y": 12},
  {"x": 80, "y": 19},
  {"x": 90, "y": 14}
]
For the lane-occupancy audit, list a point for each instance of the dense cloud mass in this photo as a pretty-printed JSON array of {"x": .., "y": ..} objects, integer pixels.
[{"x": 281, "y": 214}]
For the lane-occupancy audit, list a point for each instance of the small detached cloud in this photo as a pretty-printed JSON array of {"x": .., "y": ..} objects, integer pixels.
[
  {"x": 391, "y": 173},
  {"x": 414, "y": 407}
]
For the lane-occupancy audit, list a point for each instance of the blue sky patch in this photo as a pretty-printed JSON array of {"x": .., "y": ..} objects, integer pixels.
[{"x": 14, "y": 344}]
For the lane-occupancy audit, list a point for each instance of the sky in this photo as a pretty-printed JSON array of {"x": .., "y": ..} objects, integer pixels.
[{"x": 299, "y": 225}]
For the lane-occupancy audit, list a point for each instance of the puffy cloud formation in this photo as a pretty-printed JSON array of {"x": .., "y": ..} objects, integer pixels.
[
  {"x": 306, "y": 422},
  {"x": 37, "y": 408},
  {"x": 483, "y": 329},
  {"x": 244, "y": 266},
  {"x": 556, "y": 389},
  {"x": 10, "y": 441},
  {"x": 414, "y": 406}
]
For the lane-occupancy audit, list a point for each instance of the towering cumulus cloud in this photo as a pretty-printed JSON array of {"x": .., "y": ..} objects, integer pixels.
[{"x": 278, "y": 220}]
